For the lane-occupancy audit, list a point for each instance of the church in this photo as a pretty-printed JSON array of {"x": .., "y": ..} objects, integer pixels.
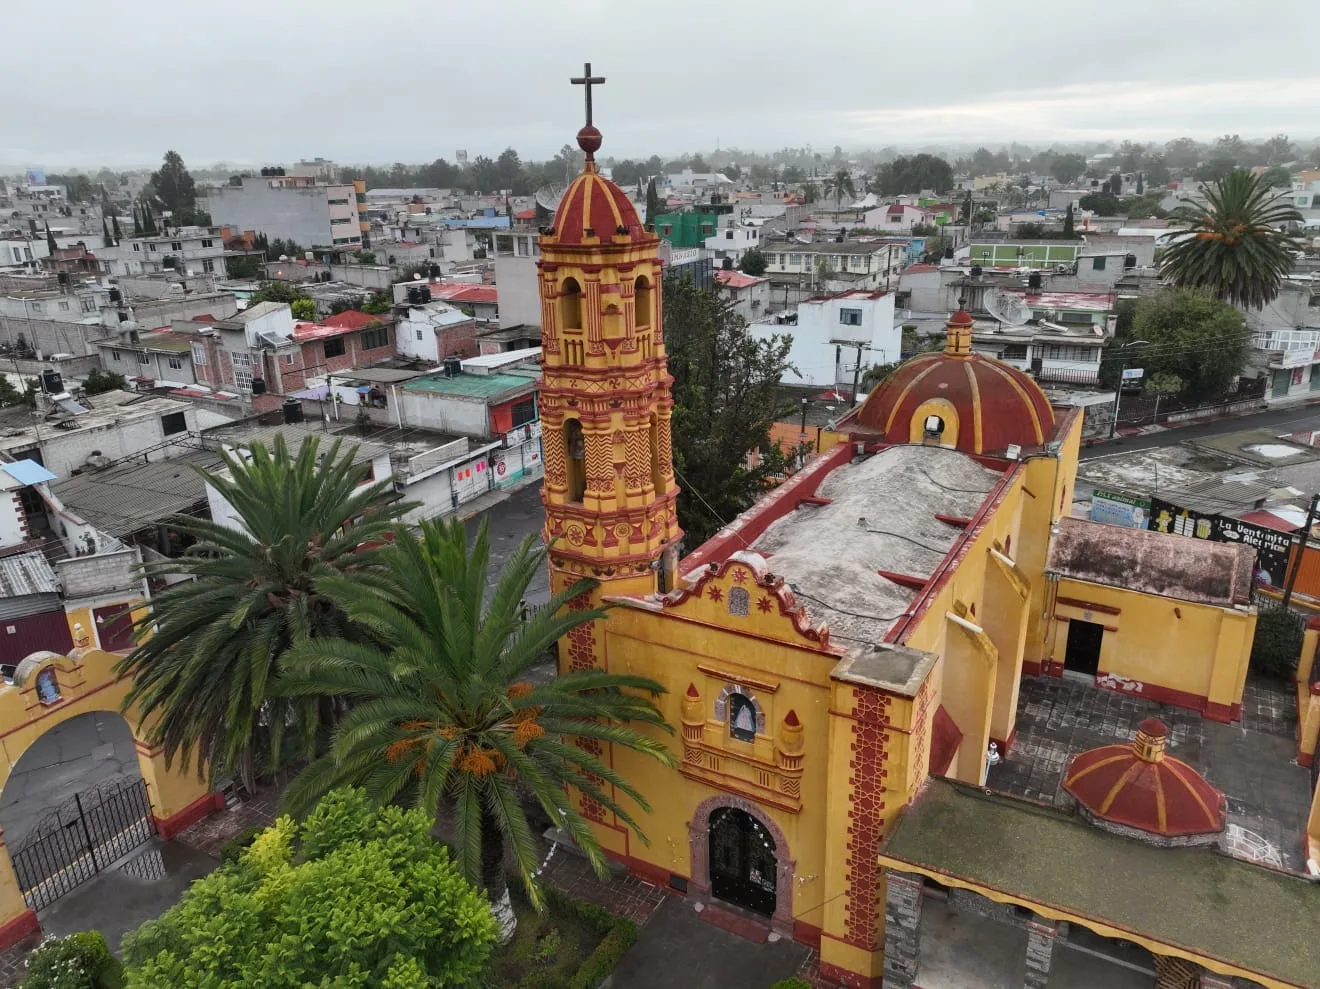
[{"x": 847, "y": 663}]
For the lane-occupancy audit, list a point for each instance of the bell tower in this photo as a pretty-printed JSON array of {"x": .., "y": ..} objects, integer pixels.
[{"x": 609, "y": 489}]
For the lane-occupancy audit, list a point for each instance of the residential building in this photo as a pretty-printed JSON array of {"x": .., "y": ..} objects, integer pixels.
[
  {"x": 896, "y": 218},
  {"x": 297, "y": 208},
  {"x": 691, "y": 263},
  {"x": 731, "y": 241},
  {"x": 837, "y": 337},
  {"x": 186, "y": 251},
  {"x": 869, "y": 266},
  {"x": 486, "y": 398},
  {"x": 749, "y": 294},
  {"x": 478, "y": 300},
  {"x": 516, "y": 278},
  {"x": 1285, "y": 339},
  {"x": 435, "y": 330},
  {"x": 688, "y": 229},
  {"x": 159, "y": 359},
  {"x": 264, "y": 354},
  {"x": 1023, "y": 253},
  {"x": 1051, "y": 352}
]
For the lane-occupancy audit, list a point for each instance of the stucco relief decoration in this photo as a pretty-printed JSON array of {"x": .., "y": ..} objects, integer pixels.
[
  {"x": 1113, "y": 681},
  {"x": 866, "y": 819},
  {"x": 722, "y": 705}
]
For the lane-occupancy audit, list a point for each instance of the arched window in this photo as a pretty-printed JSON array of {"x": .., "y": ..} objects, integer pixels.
[
  {"x": 643, "y": 304},
  {"x": 740, "y": 602},
  {"x": 570, "y": 305},
  {"x": 742, "y": 718},
  {"x": 575, "y": 448},
  {"x": 657, "y": 469}
]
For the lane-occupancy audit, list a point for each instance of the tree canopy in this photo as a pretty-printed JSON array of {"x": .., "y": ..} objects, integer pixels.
[
  {"x": 1237, "y": 247},
  {"x": 175, "y": 187},
  {"x": 1190, "y": 336},
  {"x": 726, "y": 397},
  {"x": 1067, "y": 169},
  {"x": 357, "y": 897},
  {"x": 753, "y": 262},
  {"x": 912, "y": 175}
]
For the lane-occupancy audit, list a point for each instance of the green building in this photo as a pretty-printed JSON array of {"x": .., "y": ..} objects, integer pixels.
[
  {"x": 686, "y": 229},
  {"x": 1023, "y": 253}
]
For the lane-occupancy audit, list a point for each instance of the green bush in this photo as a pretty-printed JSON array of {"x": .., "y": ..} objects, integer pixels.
[
  {"x": 357, "y": 896},
  {"x": 79, "y": 961},
  {"x": 1278, "y": 643},
  {"x": 793, "y": 983},
  {"x": 236, "y": 845}
]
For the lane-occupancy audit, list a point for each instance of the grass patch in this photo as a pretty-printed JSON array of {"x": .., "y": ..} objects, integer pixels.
[{"x": 571, "y": 945}]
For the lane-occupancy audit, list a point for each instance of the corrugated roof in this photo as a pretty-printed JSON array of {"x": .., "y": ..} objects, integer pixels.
[
  {"x": 123, "y": 499},
  {"x": 485, "y": 386},
  {"x": 24, "y": 574}
]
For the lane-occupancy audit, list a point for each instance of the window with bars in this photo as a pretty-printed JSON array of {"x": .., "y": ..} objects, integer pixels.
[
  {"x": 1070, "y": 352},
  {"x": 376, "y": 338},
  {"x": 242, "y": 364}
]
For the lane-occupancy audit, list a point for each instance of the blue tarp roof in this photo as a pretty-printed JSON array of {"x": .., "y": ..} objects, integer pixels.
[{"x": 27, "y": 472}]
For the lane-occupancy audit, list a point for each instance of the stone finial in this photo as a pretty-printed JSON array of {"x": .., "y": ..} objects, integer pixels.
[{"x": 790, "y": 734}]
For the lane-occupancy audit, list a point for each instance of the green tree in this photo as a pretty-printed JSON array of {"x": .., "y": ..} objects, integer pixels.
[
  {"x": 243, "y": 266},
  {"x": 838, "y": 185},
  {"x": 1102, "y": 204},
  {"x": 1157, "y": 173},
  {"x": 114, "y": 228},
  {"x": 726, "y": 397},
  {"x": 379, "y": 303},
  {"x": 913, "y": 175},
  {"x": 1276, "y": 177},
  {"x": 1235, "y": 248},
  {"x": 137, "y": 223},
  {"x": 753, "y": 262},
  {"x": 277, "y": 291},
  {"x": 358, "y": 897},
  {"x": 1068, "y": 222},
  {"x": 653, "y": 205},
  {"x": 1278, "y": 150},
  {"x": 1182, "y": 153},
  {"x": 303, "y": 308},
  {"x": 9, "y": 394},
  {"x": 485, "y": 175},
  {"x": 364, "y": 257},
  {"x": 810, "y": 192},
  {"x": 211, "y": 647},
  {"x": 1141, "y": 183},
  {"x": 443, "y": 713},
  {"x": 106, "y": 239},
  {"x": 1067, "y": 169},
  {"x": 174, "y": 187},
  {"x": 51, "y": 245},
  {"x": 148, "y": 221},
  {"x": 98, "y": 382},
  {"x": 79, "y": 961},
  {"x": 1191, "y": 336}
]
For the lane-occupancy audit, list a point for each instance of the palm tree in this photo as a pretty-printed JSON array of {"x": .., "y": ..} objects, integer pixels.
[
  {"x": 1235, "y": 247},
  {"x": 211, "y": 646},
  {"x": 839, "y": 183},
  {"x": 444, "y": 713}
]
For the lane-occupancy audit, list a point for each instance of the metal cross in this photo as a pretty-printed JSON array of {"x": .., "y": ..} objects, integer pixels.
[{"x": 587, "y": 80}]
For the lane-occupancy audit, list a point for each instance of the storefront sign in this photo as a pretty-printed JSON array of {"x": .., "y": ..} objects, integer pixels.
[{"x": 1117, "y": 508}]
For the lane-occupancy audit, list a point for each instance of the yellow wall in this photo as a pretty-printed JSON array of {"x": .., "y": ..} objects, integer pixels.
[{"x": 1168, "y": 650}]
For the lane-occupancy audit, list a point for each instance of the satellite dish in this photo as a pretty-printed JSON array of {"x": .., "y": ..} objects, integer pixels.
[
  {"x": 549, "y": 196},
  {"x": 1006, "y": 307}
]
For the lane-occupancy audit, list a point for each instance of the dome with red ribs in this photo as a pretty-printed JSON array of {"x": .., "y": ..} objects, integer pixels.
[
  {"x": 981, "y": 405},
  {"x": 1139, "y": 786},
  {"x": 594, "y": 210}
]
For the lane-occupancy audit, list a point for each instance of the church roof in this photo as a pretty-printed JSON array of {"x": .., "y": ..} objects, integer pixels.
[
  {"x": 594, "y": 207},
  {"x": 996, "y": 405},
  {"x": 1140, "y": 786}
]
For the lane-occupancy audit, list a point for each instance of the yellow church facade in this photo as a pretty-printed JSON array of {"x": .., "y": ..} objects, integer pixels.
[{"x": 864, "y": 627}]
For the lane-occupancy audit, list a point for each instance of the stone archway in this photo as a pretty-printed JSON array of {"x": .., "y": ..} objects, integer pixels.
[{"x": 781, "y": 921}]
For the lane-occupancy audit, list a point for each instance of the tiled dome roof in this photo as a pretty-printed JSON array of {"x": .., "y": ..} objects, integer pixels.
[
  {"x": 593, "y": 206},
  {"x": 996, "y": 405},
  {"x": 1139, "y": 786}
]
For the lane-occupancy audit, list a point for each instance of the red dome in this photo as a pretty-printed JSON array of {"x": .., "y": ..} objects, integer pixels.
[
  {"x": 996, "y": 405},
  {"x": 595, "y": 203},
  {"x": 1139, "y": 786}
]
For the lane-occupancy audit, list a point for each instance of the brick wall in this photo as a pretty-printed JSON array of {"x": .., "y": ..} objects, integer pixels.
[{"x": 91, "y": 576}]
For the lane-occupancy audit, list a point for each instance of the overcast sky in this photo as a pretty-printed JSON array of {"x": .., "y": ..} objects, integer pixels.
[{"x": 118, "y": 82}]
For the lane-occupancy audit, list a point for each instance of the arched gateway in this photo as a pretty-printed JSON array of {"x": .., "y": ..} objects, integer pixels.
[{"x": 741, "y": 856}]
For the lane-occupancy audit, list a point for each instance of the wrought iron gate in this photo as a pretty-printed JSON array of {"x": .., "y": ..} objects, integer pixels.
[{"x": 86, "y": 834}]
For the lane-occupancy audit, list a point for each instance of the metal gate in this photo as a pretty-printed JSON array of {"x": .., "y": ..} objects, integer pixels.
[{"x": 85, "y": 835}]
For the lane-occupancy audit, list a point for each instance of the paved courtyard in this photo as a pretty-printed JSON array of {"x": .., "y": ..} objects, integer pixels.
[{"x": 1253, "y": 762}]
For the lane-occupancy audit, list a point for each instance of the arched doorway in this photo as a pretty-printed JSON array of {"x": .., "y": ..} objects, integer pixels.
[
  {"x": 770, "y": 869},
  {"x": 743, "y": 865}
]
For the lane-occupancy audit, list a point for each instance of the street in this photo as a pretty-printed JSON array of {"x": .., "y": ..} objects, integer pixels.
[
  {"x": 1287, "y": 420},
  {"x": 510, "y": 521}
]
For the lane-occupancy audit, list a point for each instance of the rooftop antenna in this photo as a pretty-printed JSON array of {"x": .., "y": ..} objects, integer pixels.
[{"x": 1006, "y": 307}]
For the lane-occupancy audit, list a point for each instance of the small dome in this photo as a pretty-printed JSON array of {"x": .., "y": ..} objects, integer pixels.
[
  {"x": 1139, "y": 786},
  {"x": 594, "y": 203},
  {"x": 977, "y": 404}
]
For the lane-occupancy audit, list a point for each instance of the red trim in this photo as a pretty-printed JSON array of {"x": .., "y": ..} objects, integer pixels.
[
  {"x": 203, "y": 806},
  {"x": 817, "y": 500},
  {"x": 903, "y": 579},
  {"x": 1226, "y": 713},
  {"x": 956, "y": 520},
  {"x": 1006, "y": 744},
  {"x": 1030, "y": 669},
  {"x": 1104, "y": 609},
  {"x": 808, "y": 934},
  {"x": 653, "y": 874},
  {"x": 850, "y": 979},
  {"x": 24, "y": 925},
  {"x": 1304, "y": 759}
]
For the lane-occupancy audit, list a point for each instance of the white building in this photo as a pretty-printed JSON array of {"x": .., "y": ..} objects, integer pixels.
[
  {"x": 834, "y": 335},
  {"x": 868, "y": 265},
  {"x": 749, "y": 294},
  {"x": 1285, "y": 337},
  {"x": 516, "y": 254},
  {"x": 291, "y": 207},
  {"x": 896, "y": 218},
  {"x": 730, "y": 242},
  {"x": 189, "y": 250},
  {"x": 433, "y": 330}
]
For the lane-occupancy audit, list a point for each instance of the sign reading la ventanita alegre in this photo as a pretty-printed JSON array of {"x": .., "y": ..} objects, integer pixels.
[{"x": 1117, "y": 508}]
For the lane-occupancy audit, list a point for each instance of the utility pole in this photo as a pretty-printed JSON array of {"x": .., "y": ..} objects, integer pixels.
[
  {"x": 857, "y": 374},
  {"x": 1296, "y": 564}
]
